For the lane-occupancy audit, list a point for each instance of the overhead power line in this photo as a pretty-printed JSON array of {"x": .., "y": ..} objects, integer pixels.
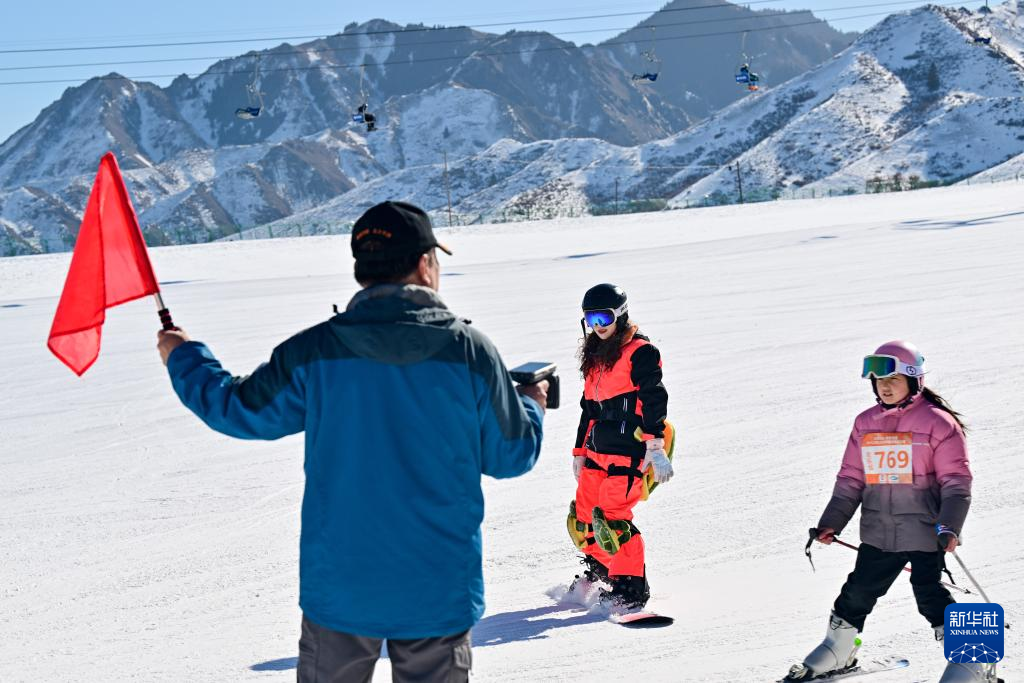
[
  {"x": 323, "y": 27},
  {"x": 451, "y": 41},
  {"x": 407, "y": 29},
  {"x": 476, "y": 53}
]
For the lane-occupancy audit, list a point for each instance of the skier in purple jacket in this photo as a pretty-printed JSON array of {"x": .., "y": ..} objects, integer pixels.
[{"x": 906, "y": 467}]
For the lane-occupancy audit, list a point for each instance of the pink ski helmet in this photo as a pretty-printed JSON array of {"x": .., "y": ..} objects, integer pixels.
[{"x": 896, "y": 358}]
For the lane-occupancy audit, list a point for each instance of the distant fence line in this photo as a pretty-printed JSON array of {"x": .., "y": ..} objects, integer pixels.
[
  {"x": 287, "y": 229},
  {"x": 441, "y": 217}
]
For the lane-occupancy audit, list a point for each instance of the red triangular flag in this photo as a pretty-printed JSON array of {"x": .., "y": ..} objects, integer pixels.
[{"x": 109, "y": 266}]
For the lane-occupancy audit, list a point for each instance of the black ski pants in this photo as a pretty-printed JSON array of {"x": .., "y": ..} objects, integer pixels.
[
  {"x": 875, "y": 572},
  {"x": 327, "y": 656}
]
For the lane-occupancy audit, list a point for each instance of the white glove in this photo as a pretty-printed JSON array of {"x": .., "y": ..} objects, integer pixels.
[
  {"x": 577, "y": 465},
  {"x": 657, "y": 460}
]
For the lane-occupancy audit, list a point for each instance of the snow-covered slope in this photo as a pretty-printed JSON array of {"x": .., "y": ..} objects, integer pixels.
[
  {"x": 139, "y": 545},
  {"x": 508, "y": 177},
  {"x": 1013, "y": 169}
]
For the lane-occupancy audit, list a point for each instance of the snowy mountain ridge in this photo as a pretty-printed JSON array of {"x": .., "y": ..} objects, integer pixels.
[
  {"x": 436, "y": 91},
  {"x": 916, "y": 97},
  {"x": 870, "y": 112}
]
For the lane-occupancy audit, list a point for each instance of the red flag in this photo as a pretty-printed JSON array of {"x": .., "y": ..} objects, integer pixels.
[{"x": 109, "y": 266}]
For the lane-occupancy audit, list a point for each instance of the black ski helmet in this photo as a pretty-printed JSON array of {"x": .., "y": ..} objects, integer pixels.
[{"x": 600, "y": 297}]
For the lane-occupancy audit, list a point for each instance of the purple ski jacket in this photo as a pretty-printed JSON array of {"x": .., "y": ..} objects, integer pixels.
[{"x": 908, "y": 469}]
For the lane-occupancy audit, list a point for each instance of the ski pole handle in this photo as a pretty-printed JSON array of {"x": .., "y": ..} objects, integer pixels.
[{"x": 813, "y": 535}]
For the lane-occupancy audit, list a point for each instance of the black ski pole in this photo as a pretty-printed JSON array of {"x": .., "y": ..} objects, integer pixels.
[{"x": 835, "y": 539}]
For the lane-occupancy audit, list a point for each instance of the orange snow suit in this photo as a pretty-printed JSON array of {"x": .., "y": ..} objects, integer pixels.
[{"x": 617, "y": 403}]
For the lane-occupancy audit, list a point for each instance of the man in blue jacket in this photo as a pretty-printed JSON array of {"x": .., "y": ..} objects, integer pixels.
[{"x": 404, "y": 406}]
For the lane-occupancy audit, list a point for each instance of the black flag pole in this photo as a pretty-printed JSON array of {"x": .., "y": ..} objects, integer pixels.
[{"x": 165, "y": 315}]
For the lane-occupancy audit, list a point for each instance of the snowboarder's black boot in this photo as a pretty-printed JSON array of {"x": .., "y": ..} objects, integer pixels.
[
  {"x": 594, "y": 571},
  {"x": 628, "y": 592}
]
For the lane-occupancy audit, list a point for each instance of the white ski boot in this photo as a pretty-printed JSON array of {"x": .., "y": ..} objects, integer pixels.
[
  {"x": 968, "y": 673},
  {"x": 838, "y": 652},
  {"x": 965, "y": 672}
]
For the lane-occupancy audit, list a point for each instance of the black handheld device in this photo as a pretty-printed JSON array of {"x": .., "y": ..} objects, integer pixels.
[{"x": 532, "y": 373}]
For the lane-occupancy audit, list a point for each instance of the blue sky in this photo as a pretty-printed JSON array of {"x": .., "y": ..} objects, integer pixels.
[{"x": 63, "y": 23}]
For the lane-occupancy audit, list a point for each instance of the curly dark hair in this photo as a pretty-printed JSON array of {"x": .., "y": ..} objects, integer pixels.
[{"x": 597, "y": 353}]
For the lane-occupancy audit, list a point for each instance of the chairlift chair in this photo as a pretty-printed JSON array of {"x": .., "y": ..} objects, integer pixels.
[
  {"x": 255, "y": 106},
  {"x": 652, "y": 63},
  {"x": 363, "y": 114},
  {"x": 248, "y": 113},
  {"x": 744, "y": 76},
  {"x": 744, "y": 73}
]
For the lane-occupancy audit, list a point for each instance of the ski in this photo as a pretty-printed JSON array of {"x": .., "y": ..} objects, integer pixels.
[{"x": 861, "y": 668}]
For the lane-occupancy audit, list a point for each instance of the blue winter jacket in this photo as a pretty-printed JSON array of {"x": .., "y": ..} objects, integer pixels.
[{"x": 404, "y": 406}]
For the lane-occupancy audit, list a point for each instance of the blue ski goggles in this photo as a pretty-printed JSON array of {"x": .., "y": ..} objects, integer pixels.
[
  {"x": 603, "y": 317},
  {"x": 879, "y": 366}
]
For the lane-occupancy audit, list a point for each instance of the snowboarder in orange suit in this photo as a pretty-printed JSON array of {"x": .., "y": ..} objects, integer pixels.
[{"x": 620, "y": 450}]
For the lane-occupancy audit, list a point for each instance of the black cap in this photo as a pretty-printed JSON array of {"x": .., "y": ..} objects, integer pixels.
[{"x": 393, "y": 230}]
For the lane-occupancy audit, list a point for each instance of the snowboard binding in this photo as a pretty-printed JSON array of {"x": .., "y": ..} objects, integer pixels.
[
  {"x": 627, "y": 593},
  {"x": 594, "y": 573}
]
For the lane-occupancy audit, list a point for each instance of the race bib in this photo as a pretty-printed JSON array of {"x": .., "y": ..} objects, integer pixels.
[{"x": 888, "y": 457}]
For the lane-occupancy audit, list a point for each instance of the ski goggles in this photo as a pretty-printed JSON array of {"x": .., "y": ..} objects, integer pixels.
[
  {"x": 603, "y": 317},
  {"x": 880, "y": 366}
]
